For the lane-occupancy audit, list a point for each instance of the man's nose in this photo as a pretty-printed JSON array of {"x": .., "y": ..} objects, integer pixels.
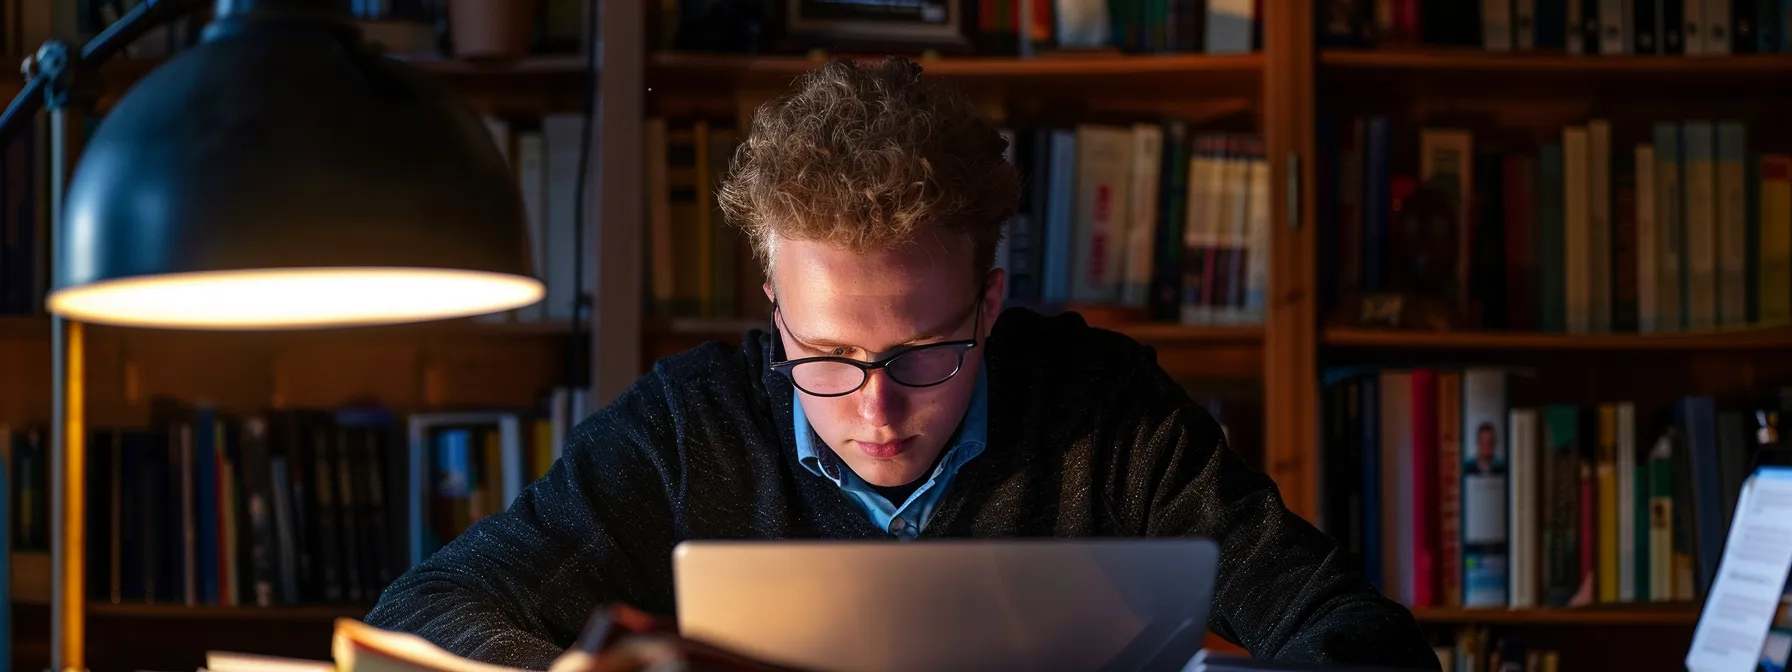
[{"x": 881, "y": 400}]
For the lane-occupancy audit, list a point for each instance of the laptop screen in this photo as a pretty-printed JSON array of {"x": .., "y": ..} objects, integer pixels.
[{"x": 1746, "y": 625}]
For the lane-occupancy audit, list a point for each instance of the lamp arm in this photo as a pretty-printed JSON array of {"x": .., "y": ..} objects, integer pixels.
[{"x": 54, "y": 62}]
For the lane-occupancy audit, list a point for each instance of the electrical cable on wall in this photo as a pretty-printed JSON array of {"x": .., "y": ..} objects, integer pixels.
[{"x": 578, "y": 369}]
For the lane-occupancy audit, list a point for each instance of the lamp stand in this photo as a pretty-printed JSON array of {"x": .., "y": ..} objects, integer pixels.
[{"x": 68, "y": 103}]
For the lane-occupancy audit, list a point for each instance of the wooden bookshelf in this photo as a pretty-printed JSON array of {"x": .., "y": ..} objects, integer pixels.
[
  {"x": 1750, "y": 338},
  {"x": 1644, "y": 614},
  {"x": 285, "y": 613},
  {"x": 1467, "y": 62}
]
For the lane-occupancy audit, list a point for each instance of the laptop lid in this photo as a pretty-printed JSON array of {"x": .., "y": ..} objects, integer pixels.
[
  {"x": 1057, "y": 604},
  {"x": 1746, "y": 624}
]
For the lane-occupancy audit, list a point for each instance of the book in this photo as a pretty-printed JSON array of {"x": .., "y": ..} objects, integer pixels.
[{"x": 358, "y": 647}]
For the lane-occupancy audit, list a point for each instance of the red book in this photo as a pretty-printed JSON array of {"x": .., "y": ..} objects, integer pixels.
[{"x": 1424, "y": 488}]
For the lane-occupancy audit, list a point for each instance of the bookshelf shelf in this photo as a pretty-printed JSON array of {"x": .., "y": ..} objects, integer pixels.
[
  {"x": 1470, "y": 61},
  {"x": 304, "y": 613},
  {"x": 1628, "y": 614},
  {"x": 1155, "y": 75},
  {"x": 1758, "y": 338},
  {"x": 1149, "y": 333}
]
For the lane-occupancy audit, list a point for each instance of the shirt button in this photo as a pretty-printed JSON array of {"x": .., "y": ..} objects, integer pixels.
[{"x": 898, "y": 525}]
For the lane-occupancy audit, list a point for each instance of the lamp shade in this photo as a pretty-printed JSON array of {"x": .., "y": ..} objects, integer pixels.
[{"x": 280, "y": 175}]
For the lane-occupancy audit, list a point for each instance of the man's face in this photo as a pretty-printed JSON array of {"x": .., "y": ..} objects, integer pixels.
[{"x": 865, "y": 305}]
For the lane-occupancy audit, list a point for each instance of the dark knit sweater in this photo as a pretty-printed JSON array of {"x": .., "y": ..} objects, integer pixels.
[{"x": 1088, "y": 437}]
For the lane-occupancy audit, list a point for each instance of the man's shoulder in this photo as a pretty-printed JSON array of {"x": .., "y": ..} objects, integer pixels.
[{"x": 712, "y": 366}]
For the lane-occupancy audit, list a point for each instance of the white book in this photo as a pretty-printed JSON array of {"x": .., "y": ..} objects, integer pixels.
[
  {"x": 1647, "y": 247},
  {"x": 1599, "y": 222},
  {"x": 1577, "y": 228},
  {"x": 1103, "y": 168},
  {"x": 1147, "y": 164},
  {"x": 1732, "y": 224},
  {"x": 1485, "y": 528},
  {"x": 1522, "y": 503},
  {"x": 1698, "y": 154},
  {"x": 1082, "y": 24}
]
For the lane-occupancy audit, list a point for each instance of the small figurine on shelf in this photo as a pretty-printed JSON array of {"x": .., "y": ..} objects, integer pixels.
[{"x": 1421, "y": 288}]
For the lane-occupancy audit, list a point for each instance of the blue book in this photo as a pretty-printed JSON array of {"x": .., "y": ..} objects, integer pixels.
[
  {"x": 1698, "y": 415},
  {"x": 205, "y": 503}
]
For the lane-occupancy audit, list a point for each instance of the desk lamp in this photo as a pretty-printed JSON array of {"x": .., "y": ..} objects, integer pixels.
[{"x": 278, "y": 175}]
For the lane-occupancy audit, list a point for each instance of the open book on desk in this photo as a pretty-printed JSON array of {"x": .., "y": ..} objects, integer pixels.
[
  {"x": 615, "y": 639},
  {"x": 358, "y": 647}
]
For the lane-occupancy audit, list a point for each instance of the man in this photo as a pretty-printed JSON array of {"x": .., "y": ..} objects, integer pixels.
[
  {"x": 890, "y": 397},
  {"x": 1485, "y": 445}
]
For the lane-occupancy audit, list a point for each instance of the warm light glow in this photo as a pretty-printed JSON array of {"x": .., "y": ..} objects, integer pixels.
[{"x": 294, "y": 298}]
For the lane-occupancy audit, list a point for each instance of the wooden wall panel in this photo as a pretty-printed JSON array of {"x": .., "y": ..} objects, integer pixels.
[{"x": 331, "y": 374}]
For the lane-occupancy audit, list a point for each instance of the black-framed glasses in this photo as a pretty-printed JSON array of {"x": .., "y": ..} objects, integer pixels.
[{"x": 924, "y": 365}]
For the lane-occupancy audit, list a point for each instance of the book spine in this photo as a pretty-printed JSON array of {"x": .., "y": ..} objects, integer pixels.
[
  {"x": 1775, "y": 294},
  {"x": 1648, "y": 246},
  {"x": 1577, "y": 226},
  {"x": 1522, "y": 504},
  {"x": 1732, "y": 222},
  {"x": 1698, "y": 156},
  {"x": 1484, "y": 465},
  {"x": 1605, "y": 506},
  {"x": 1449, "y": 488}
]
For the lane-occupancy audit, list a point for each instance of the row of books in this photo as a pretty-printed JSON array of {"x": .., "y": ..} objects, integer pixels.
[
  {"x": 544, "y": 154},
  {"x": 283, "y": 507},
  {"x": 1449, "y": 494},
  {"x": 994, "y": 27},
  {"x": 698, "y": 264},
  {"x": 1584, "y": 27},
  {"x": 1149, "y": 216},
  {"x": 1668, "y": 227},
  {"x": 1478, "y": 648}
]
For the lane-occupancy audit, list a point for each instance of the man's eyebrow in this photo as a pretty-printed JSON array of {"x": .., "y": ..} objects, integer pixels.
[{"x": 822, "y": 344}]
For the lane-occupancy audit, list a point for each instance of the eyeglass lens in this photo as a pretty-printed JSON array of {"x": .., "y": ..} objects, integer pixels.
[{"x": 916, "y": 368}]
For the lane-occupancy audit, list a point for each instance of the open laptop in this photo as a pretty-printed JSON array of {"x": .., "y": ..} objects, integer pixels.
[
  {"x": 1746, "y": 625},
  {"x": 1060, "y": 604}
]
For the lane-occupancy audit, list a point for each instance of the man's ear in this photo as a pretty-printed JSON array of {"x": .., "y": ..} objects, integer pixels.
[
  {"x": 993, "y": 291},
  {"x": 769, "y": 296}
]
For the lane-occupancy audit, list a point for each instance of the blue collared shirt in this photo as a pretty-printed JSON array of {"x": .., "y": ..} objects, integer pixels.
[{"x": 908, "y": 519}]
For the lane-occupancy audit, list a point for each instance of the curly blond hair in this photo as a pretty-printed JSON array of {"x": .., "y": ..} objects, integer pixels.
[{"x": 870, "y": 155}]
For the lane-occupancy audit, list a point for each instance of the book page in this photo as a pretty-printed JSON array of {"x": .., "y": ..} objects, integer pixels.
[{"x": 1751, "y": 579}]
